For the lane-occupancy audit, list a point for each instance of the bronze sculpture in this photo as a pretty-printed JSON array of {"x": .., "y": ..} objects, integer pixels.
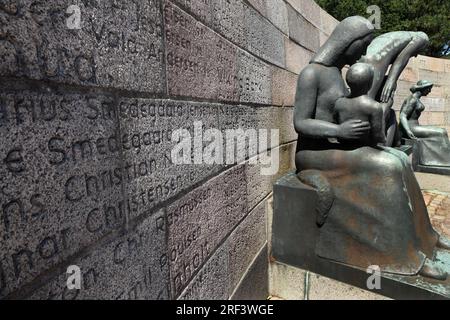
[
  {"x": 360, "y": 106},
  {"x": 371, "y": 210},
  {"x": 434, "y": 145},
  {"x": 394, "y": 50}
]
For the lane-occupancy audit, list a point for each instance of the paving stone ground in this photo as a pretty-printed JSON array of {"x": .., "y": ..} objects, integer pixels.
[
  {"x": 436, "y": 192},
  {"x": 438, "y": 204}
]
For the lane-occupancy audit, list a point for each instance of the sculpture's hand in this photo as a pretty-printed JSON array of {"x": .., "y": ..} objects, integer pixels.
[
  {"x": 388, "y": 91},
  {"x": 353, "y": 129},
  {"x": 411, "y": 135}
]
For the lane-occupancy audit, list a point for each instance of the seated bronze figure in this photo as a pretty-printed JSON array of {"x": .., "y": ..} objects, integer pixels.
[
  {"x": 433, "y": 142},
  {"x": 371, "y": 210}
]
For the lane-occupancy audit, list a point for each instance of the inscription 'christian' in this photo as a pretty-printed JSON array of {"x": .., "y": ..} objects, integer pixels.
[{"x": 76, "y": 167}]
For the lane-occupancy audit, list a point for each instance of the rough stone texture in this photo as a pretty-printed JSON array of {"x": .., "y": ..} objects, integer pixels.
[
  {"x": 309, "y": 9},
  {"x": 434, "y": 104},
  {"x": 439, "y": 210},
  {"x": 198, "y": 222},
  {"x": 131, "y": 267},
  {"x": 248, "y": 121},
  {"x": 302, "y": 31},
  {"x": 147, "y": 126},
  {"x": 296, "y": 57},
  {"x": 119, "y": 44},
  {"x": 284, "y": 84},
  {"x": 322, "y": 288},
  {"x": 202, "y": 219},
  {"x": 447, "y": 66},
  {"x": 328, "y": 22},
  {"x": 246, "y": 242},
  {"x": 432, "y": 64},
  {"x": 254, "y": 285},
  {"x": 269, "y": 223},
  {"x": 322, "y": 38},
  {"x": 200, "y": 63},
  {"x": 430, "y": 181},
  {"x": 57, "y": 150},
  {"x": 275, "y": 11},
  {"x": 259, "y": 186},
  {"x": 211, "y": 282},
  {"x": 286, "y": 282},
  {"x": 241, "y": 275},
  {"x": 228, "y": 265},
  {"x": 254, "y": 80},
  {"x": 262, "y": 38},
  {"x": 242, "y": 25},
  {"x": 410, "y": 74},
  {"x": 277, "y": 14}
]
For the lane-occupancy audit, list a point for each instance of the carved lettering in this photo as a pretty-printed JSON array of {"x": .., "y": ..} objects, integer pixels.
[
  {"x": 25, "y": 260},
  {"x": 14, "y": 160}
]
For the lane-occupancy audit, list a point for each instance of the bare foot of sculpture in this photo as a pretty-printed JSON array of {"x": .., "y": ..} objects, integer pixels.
[
  {"x": 431, "y": 270},
  {"x": 443, "y": 243}
]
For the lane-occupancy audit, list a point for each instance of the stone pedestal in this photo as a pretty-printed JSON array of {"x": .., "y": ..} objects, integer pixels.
[
  {"x": 294, "y": 238},
  {"x": 416, "y": 159}
]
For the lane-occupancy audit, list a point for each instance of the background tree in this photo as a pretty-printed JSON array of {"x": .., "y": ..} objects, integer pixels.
[{"x": 429, "y": 16}]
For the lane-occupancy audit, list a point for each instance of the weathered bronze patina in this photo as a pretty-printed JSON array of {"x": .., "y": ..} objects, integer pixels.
[
  {"x": 433, "y": 143},
  {"x": 370, "y": 207},
  {"x": 391, "y": 52}
]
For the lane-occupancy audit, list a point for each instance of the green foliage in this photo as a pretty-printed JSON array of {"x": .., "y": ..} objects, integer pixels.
[{"x": 430, "y": 16}]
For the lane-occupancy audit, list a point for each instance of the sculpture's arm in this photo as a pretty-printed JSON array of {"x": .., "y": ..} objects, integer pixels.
[
  {"x": 305, "y": 108},
  {"x": 412, "y": 49},
  {"x": 405, "y": 113}
]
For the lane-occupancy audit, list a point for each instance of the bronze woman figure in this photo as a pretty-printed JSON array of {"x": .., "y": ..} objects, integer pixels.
[
  {"x": 371, "y": 209},
  {"x": 434, "y": 145}
]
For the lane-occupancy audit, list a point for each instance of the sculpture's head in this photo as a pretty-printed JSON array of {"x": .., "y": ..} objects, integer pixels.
[
  {"x": 424, "y": 86},
  {"x": 360, "y": 78},
  {"x": 347, "y": 43}
]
